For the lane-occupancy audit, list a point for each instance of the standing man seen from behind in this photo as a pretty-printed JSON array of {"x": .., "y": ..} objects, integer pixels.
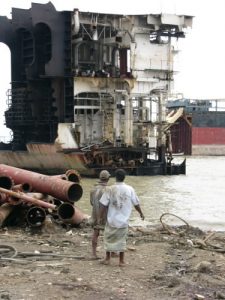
[
  {"x": 98, "y": 222},
  {"x": 117, "y": 202}
]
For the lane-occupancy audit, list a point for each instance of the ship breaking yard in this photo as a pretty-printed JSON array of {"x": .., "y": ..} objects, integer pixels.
[
  {"x": 88, "y": 93},
  {"x": 46, "y": 248}
]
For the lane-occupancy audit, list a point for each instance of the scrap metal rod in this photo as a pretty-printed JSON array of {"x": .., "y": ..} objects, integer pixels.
[
  {"x": 29, "y": 199},
  {"x": 29, "y": 254}
]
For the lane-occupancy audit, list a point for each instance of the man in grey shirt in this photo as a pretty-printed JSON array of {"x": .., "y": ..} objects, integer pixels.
[{"x": 98, "y": 223}]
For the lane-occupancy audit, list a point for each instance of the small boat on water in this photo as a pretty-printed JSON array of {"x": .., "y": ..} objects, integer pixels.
[{"x": 88, "y": 90}]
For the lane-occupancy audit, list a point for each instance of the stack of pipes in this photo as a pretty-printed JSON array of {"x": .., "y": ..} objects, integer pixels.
[{"x": 40, "y": 195}]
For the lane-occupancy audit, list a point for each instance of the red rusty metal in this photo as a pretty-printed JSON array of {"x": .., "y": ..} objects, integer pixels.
[
  {"x": 70, "y": 175},
  {"x": 70, "y": 214},
  {"x": 7, "y": 183},
  {"x": 13, "y": 200},
  {"x": 62, "y": 176},
  {"x": 55, "y": 201},
  {"x": 181, "y": 135},
  {"x": 3, "y": 198},
  {"x": 23, "y": 187},
  {"x": 5, "y": 211},
  {"x": 123, "y": 61},
  {"x": 42, "y": 156},
  {"x": 58, "y": 188},
  {"x": 73, "y": 176},
  {"x": 28, "y": 199}
]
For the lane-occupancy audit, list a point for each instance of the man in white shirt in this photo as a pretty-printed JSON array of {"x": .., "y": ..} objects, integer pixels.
[{"x": 118, "y": 201}]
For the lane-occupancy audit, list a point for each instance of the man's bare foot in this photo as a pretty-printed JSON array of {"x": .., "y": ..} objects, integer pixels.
[
  {"x": 122, "y": 264},
  {"x": 95, "y": 257},
  {"x": 105, "y": 262}
]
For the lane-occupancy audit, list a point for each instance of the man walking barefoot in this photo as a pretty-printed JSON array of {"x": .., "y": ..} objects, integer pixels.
[
  {"x": 118, "y": 201},
  {"x": 98, "y": 223}
]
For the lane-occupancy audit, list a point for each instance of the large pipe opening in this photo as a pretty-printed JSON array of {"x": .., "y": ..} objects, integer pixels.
[
  {"x": 36, "y": 216},
  {"x": 75, "y": 192},
  {"x": 66, "y": 211},
  {"x": 6, "y": 182},
  {"x": 73, "y": 176},
  {"x": 26, "y": 187},
  {"x": 70, "y": 214},
  {"x": 23, "y": 187}
]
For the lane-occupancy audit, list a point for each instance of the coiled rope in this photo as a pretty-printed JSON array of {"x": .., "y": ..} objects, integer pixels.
[{"x": 169, "y": 228}]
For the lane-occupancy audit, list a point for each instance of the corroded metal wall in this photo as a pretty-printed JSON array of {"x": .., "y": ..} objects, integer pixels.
[
  {"x": 42, "y": 86},
  {"x": 181, "y": 136}
]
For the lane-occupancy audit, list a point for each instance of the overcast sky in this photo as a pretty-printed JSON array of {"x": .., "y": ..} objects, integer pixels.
[{"x": 201, "y": 61}]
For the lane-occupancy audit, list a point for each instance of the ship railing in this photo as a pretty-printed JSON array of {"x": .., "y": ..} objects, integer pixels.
[{"x": 88, "y": 147}]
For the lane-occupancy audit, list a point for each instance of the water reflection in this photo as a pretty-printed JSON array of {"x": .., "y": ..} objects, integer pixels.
[{"x": 197, "y": 197}]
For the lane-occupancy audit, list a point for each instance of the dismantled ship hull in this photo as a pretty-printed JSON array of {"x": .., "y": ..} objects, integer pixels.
[
  {"x": 49, "y": 162},
  {"x": 89, "y": 90},
  {"x": 59, "y": 162},
  {"x": 200, "y": 129}
]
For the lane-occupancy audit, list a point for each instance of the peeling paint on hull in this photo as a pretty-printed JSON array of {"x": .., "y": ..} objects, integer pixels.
[
  {"x": 51, "y": 163},
  {"x": 59, "y": 163}
]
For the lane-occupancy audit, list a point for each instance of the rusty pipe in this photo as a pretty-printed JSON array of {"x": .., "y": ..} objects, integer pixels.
[
  {"x": 70, "y": 214},
  {"x": 22, "y": 187},
  {"x": 13, "y": 200},
  {"x": 4, "y": 198},
  {"x": 54, "y": 213},
  {"x": 55, "y": 201},
  {"x": 28, "y": 199},
  {"x": 35, "y": 195},
  {"x": 35, "y": 216},
  {"x": 6, "y": 182},
  {"x": 62, "y": 176},
  {"x": 58, "y": 188},
  {"x": 5, "y": 211},
  {"x": 73, "y": 176}
]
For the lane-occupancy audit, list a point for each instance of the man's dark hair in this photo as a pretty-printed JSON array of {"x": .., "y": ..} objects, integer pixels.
[{"x": 120, "y": 175}]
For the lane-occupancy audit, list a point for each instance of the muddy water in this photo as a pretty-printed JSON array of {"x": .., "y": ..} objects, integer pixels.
[{"x": 197, "y": 197}]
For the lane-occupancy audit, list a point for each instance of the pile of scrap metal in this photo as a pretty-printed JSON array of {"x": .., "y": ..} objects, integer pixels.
[{"x": 27, "y": 197}]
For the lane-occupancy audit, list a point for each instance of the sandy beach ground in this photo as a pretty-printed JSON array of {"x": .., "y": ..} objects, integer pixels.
[{"x": 53, "y": 262}]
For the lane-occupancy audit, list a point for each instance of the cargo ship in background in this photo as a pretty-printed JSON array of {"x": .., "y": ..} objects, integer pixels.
[
  {"x": 88, "y": 90},
  {"x": 200, "y": 128}
]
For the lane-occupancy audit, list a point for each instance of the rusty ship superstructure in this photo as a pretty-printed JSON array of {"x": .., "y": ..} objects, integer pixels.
[{"x": 88, "y": 90}]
